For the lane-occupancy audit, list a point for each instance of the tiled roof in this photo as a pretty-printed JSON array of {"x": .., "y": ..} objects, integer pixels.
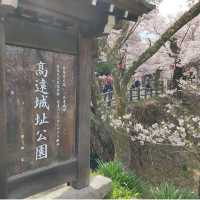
[{"x": 127, "y": 9}]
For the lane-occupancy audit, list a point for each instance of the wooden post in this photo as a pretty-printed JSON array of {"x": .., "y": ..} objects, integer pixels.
[
  {"x": 145, "y": 93},
  {"x": 83, "y": 113},
  {"x": 198, "y": 75},
  {"x": 3, "y": 151},
  {"x": 151, "y": 92},
  {"x": 162, "y": 87},
  {"x": 156, "y": 91},
  {"x": 109, "y": 98},
  {"x": 131, "y": 95},
  {"x": 138, "y": 93},
  {"x": 157, "y": 82}
]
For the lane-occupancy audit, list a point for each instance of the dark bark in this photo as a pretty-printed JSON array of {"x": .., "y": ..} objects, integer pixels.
[
  {"x": 3, "y": 117},
  {"x": 199, "y": 188}
]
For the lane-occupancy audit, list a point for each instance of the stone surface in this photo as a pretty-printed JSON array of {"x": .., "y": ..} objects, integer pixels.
[{"x": 99, "y": 187}]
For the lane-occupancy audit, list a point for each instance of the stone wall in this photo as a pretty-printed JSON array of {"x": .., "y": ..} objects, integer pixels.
[{"x": 159, "y": 163}]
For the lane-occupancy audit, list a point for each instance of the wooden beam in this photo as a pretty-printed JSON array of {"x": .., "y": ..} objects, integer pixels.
[
  {"x": 83, "y": 112},
  {"x": 135, "y": 7},
  {"x": 3, "y": 128},
  {"x": 91, "y": 21},
  {"x": 21, "y": 32},
  {"x": 41, "y": 179},
  {"x": 80, "y": 10}
]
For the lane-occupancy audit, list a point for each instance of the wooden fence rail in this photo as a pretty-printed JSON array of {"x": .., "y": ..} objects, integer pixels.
[{"x": 134, "y": 94}]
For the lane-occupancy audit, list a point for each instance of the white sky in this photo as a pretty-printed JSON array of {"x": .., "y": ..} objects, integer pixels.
[{"x": 170, "y": 8}]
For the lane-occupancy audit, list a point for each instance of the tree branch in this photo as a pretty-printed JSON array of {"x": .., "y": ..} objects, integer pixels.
[{"x": 188, "y": 16}]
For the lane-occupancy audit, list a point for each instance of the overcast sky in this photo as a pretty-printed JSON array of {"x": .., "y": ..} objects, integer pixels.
[{"x": 170, "y": 8}]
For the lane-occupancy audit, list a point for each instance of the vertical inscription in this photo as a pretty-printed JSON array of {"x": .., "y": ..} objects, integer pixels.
[
  {"x": 42, "y": 108},
  {"x": 61, "y": 99},
  {"x": 64, "y": 98},
  {"x": 58, "y": 81},
  {"x": 42, "y": 101},
  {"x": 21, "y": 129}
]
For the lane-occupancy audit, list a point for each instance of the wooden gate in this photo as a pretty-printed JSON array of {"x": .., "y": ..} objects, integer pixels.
[
  {"x": 44, "y": 104},
  {"x": 47, "y": 51}
]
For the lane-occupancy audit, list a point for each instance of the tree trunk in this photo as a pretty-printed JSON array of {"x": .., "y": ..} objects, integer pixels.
[
  {"x": 198, "y": 74},
  {"x": 122, "y": 148},
  {"x": 120, "y": 94},
  {"x": 101, "y": 139},
  {"x": 199, "y": 188},
  {"x": 120, "y": 104}
]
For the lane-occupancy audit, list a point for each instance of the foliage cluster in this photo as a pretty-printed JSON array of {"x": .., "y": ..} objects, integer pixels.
[
  {"x": 169, "y": 191},
  {"x": 104, "y": 68},
  {"x": 127, "y": 185},
  {"x": 164, "y": 120}
]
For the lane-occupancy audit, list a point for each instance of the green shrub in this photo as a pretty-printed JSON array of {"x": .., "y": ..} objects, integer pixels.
[
  {"x": 129, "y": 183},
  {"x": 169, "y": 191},
  {"x": 104, "y": 68},
  {"x": 110, "y": 169},
  {"x": 119, "y": 192}
]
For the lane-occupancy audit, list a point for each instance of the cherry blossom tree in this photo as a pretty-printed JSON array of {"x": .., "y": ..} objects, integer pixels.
[{"x": 122, "y": 76}]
